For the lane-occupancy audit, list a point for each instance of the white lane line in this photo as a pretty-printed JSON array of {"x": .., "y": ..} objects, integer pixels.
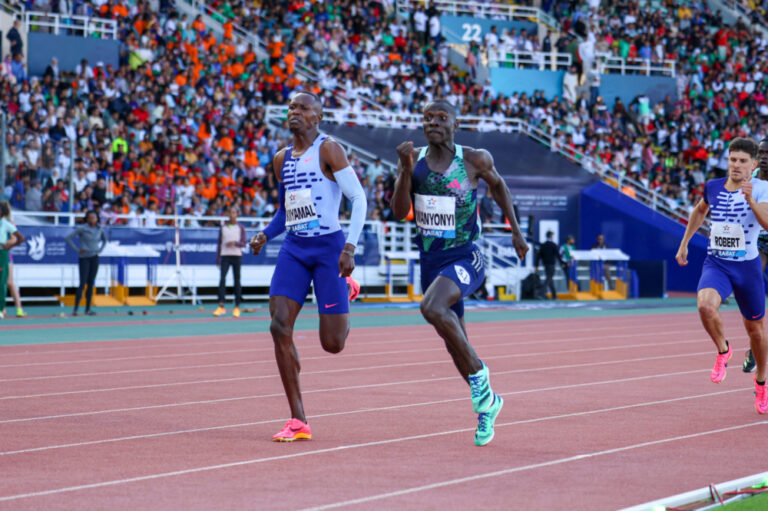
[
  {"x": 478, "y": 345},
  {"x": 484, "y": 335},
  {"x": 351, "y": 387},
  {"x": 560, "y": 461},
  {"x": 358, "y": 333},
  {"x": 363, "y": 410},
  {"x": 398, "y": 352},
  {"x": 347, "y": 447}
]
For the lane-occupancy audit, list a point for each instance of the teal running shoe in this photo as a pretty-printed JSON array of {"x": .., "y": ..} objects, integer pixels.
[
  {"x": 485, "y": 421},
  {"x": 480, "y": 387}
]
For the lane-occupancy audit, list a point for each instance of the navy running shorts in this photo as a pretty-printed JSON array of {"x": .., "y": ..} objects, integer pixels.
[
  {"x": 302, "y": 262},
  {"x": 463, "y": 265},
  {"x": 743, "y": 278}
]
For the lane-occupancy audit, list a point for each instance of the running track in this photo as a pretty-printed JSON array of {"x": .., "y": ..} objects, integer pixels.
[{"x": 600, "y": 413}]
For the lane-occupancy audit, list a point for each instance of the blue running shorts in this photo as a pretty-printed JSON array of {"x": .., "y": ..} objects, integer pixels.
[
  {"x": 305, "y": 261},
  {"x": 743, "y": 278},
  {"x": 463, "y": 265}
]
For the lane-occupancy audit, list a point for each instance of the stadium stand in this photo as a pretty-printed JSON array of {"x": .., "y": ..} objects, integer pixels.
[{"x": 183, "y": 113}]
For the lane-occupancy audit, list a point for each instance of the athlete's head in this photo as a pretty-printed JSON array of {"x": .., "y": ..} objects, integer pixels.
[
  {"x": 742, "y": 159},
  {"x": 305, "y": 111},
  {"x": 440, "y": 123},
  {"x": 232, "y": 212},
  {"x": 5, "y": 210},
  {"x": 91, "y": 218},
  {"x": 762, "y": 155}
]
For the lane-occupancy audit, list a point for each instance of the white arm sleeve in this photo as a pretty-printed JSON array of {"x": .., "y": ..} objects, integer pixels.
[{"x": 353, "y": 190}]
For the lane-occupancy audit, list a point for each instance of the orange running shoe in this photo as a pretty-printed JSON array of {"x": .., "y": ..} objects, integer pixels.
[
  {"x": 354, "y": 288},
  {"x": 721, "y": 363},
  {"x": 761, "y": 398},
  {"x": 294, "y": 430}
]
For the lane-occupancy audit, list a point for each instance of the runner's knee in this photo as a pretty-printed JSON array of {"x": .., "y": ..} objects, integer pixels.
[
  {"x": 432, "y": 312},
  {"x": 707, "y": 308},
  {"x": 280, "y": 329},
  {"x": 333, "y": 343}
]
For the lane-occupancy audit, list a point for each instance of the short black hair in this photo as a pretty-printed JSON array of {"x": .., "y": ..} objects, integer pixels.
[
  {"x": 443, "y": 104},
  {"x": 744, "y": 145},
  {"x": 312, "y": 95}
]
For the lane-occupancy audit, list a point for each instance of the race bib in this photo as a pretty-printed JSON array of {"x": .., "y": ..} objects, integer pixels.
[
  {"x": 300, "y": 213},
  {"x": 727, "y": 240},
  {"x": 436, "y": 216}
]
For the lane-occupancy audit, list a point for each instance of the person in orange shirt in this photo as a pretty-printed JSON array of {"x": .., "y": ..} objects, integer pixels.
[
  {"x": 229, "y": 48},
  {"x": 140, "y": 25},
  {"x": 228, "y": 29},
  {"x": 290, "y": 62},
  {"x": 119, "y": 11},
  {"x": 209, "y": 42},
  {"x": 226, "y": 143},
  {"x": 237, "y": 68},
  {"x": 117, "y": 188},
  {"x": 249, "y": 57},
  {"x": 198, "y": 25},
  {"x": 251, "y": 156},
  {"x": 275, "y": 49},
  {"x": 204, "y": 131},
  {"x": 151, "y": 180}
]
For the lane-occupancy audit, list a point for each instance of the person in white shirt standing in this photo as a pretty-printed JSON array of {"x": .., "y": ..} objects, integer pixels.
[
  {"x": 230, "y": 254},
  {"x": 420, "y": 24}
]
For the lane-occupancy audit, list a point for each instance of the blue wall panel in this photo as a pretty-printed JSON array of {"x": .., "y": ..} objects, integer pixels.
[
  {"x": 641, "y": 232},
  {"x": 627, "y": 87},
  {"x": 463, "y": 29},
  {"x": 507, "y": 81},
  {"x": 69, "y": 50}
]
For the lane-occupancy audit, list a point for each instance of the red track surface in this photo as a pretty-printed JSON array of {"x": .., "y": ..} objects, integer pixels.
[{"x": 599, "y": 413}]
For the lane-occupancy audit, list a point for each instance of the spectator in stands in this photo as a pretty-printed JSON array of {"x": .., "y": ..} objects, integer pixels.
[
  {"x": 52, "y": 70},
  {"x": 13, "y": 35},
  {"x": 34, "y": 196},
  {"x": 91, "y": 242},
  {"x": 230, "y": 255},
  {"x": 17, "y": 68},
  {"x": 571, "y": 84}
]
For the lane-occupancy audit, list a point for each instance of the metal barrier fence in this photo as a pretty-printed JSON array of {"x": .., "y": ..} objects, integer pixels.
[
  {"x": 529, "y": 59},
  {"x": 85, "y": 26},
  {"x": 484, "y": 10},
  {"x": 607, "y": 62}
]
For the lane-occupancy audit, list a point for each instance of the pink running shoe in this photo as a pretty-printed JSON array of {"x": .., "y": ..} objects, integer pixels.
[
  {"x": 721, "y": 362},
  {"x": 761, "y": 398},
  {"x": 294, "y": 430},
  {"x": 354, "y": 288}
]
